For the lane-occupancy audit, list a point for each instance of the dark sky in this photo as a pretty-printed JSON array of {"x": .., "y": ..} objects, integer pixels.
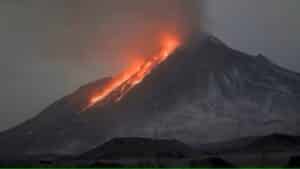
[{"x": 49, "y": 48}]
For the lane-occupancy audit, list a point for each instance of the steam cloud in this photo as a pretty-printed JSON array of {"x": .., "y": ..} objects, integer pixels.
[{"x": 113, "y": 31}]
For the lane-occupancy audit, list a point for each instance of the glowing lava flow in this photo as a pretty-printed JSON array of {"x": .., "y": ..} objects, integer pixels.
[{"x": 135, "y": 74}]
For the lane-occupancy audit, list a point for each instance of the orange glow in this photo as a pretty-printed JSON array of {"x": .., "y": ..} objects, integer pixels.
[{"x": 135, "y": 73}]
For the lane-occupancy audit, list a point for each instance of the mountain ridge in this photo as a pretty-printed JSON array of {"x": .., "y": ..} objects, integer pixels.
[{"x": 203, "y": 86}]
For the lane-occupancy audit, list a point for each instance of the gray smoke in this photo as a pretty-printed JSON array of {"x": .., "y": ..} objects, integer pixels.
[{"x": 110, "y": 31}]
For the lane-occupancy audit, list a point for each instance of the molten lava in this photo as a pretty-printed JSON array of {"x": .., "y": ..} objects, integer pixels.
[{"x": 134, "y": 74}]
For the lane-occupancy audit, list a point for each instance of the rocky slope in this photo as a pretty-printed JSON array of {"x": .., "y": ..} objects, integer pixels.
[{"x": 205, "y": 92}]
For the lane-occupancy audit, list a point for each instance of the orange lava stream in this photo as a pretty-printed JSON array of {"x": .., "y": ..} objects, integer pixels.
[{"x": 135, "y": 73}]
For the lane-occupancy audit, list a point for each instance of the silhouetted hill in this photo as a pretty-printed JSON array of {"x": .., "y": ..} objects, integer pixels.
[
  {"x": 274, "y": 143},
  {"x": 139, "y": 148},
  {"x": 213, "y": 162},
  {"x": 255, "y": 144}
]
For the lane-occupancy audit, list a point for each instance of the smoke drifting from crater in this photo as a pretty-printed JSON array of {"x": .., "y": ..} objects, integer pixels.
[{"x": 111, "y": 32}]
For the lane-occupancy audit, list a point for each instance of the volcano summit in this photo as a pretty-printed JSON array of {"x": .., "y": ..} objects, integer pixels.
[{"x": 204, "y": 92}]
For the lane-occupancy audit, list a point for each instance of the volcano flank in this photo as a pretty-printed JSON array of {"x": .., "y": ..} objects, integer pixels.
[{"x": 204, "y": 92}]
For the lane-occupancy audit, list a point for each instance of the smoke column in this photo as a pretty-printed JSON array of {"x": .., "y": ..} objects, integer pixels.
[{"x": 111, "y": 32}]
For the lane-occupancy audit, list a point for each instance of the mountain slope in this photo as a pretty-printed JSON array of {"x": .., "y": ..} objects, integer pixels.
[
  {"x": 57, "y": 129},
  {"x": 204, "y": 92}
]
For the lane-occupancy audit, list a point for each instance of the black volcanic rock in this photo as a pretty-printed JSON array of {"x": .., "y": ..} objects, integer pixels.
[
  {"x": 294, "y": 162},
  {"x": 213, "y": 162},
  {"x": 204, "y": 92},
  {"x": 139, "y": 148},
  {"x": 102, "y": 164},
  {"x": 274, "y": 143}
]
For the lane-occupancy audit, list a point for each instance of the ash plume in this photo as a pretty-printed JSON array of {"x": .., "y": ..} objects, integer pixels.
[{"x": 112, "y": 32}]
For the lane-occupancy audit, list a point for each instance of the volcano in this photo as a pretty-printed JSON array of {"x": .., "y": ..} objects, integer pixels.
[{"x": 204, "y": 92}]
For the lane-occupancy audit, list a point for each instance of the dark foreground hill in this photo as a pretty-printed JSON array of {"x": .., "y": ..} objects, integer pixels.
[
  {"x": 272, "y": 150},
  {"x": 139, "y": 148}
]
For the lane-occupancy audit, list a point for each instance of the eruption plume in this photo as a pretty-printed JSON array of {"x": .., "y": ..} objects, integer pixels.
[{"x": 110, "y": 32}]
